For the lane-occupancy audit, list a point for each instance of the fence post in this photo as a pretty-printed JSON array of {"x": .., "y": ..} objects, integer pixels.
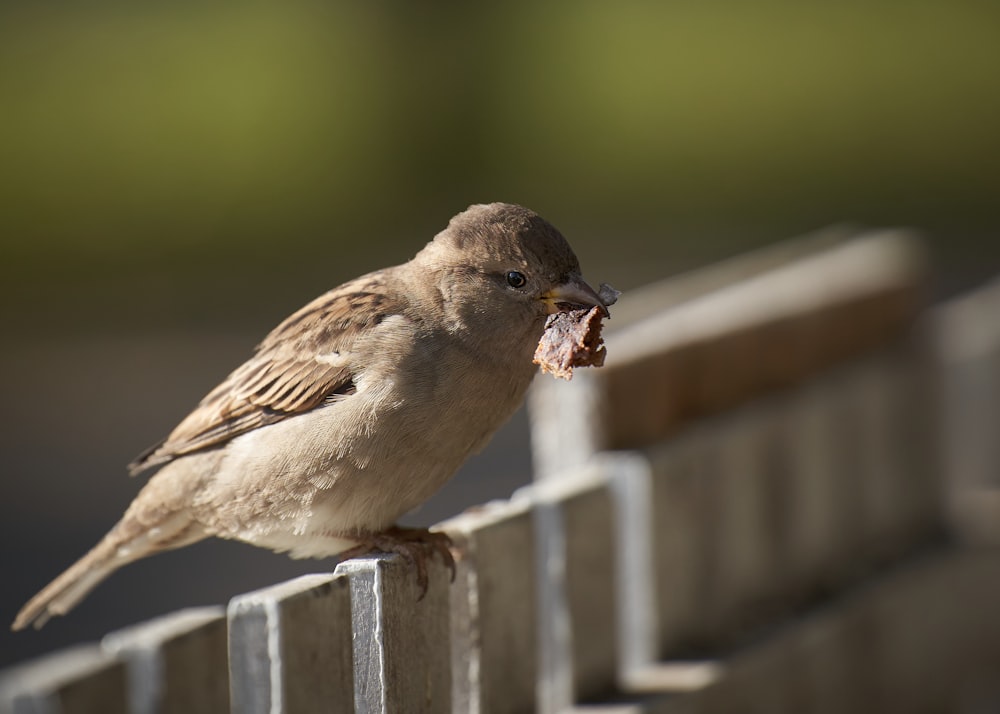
[
  {"x": 578, "y": 571},
  {"x": 175, "y": 663},
  {"x": 967, "y": 331},
  {"x": 290, "y": 648},
  {"x": 494, "y": 621},
  {"x": 78, "y": 680},
  {"x": 402, "y": 655}
]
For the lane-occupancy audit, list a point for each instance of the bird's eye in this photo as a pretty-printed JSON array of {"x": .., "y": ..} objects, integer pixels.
[{"x": 516, "y": 279}]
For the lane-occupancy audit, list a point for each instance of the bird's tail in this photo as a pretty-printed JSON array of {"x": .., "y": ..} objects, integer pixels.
[{"x": 121, "y": 546}]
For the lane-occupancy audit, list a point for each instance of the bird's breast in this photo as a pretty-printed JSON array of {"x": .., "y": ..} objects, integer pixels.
[{"x": 361, "y": 461}]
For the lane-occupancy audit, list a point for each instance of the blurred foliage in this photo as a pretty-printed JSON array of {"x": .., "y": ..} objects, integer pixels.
[{"x": 253, "y": 148}]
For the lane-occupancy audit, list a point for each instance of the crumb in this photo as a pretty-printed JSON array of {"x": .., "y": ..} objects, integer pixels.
[{"x": 573, "y": 339}]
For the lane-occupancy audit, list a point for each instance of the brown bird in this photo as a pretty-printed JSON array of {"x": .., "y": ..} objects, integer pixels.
[{"x": 355, "y": 409}]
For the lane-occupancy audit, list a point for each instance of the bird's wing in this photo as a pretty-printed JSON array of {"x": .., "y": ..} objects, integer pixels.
[{"x": 300, "y": 364}]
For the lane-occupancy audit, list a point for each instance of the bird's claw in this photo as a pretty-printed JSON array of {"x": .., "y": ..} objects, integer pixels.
[{"x": 415, "y": 545}]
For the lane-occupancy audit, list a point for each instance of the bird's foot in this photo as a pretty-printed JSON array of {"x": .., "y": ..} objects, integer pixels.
[{"x": 416, "y": 545}]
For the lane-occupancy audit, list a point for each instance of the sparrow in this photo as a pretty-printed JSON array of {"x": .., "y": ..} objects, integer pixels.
[{"x": 355, "y": 409}]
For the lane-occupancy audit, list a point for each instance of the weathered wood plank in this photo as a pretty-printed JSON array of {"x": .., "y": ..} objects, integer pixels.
[
  {"x": 923, "y": 636},
  {"x": 745, "y": 516},
  {"x": 639, "y": 612},
  {"x": 578, "y": 574},
  {"x": 176, "y": 663},
  {"x": 703, "y": 524},
  {"x": 402, "y": 657},
  {"x": 648, "y": 300},
  {"x": 639, "y": 704},
  {"x": 895, "y": 423},
  {"x": 494, "y": 636},
  {"x": 967, "y": 334},
  {"x": 78, "y": 680},
  {"x": 683, "y": 538},
  {"x": 745, "y": 582},
  {"x": 824, "y": 537},
  {"x": 290, "y": 647}
]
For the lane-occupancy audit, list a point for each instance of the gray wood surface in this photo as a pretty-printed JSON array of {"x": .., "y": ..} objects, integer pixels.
[
  {"x": 922, "y": 637},
  {"x": 824, "y": 535},
  {"x": 291, "y": 649},
  {"x": 743, "y": 517},
  {"x": 967, "y": 334},
  {"x": 176, "y": 663},
  {"x": 402, "y": 656},
  {"x": 494, "y": 621},
  {"x": 578, "y": 573},
  {"x": 78, "y": 680},
  {"x": 745, "y": 582},
  {"x": 668, "y": 515}
]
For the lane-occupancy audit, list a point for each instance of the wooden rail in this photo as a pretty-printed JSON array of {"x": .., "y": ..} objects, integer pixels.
[{"x": 743, "y": 511}]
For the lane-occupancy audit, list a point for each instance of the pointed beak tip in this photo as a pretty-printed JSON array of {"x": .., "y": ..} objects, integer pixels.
[{"x": 574, "y": 293}]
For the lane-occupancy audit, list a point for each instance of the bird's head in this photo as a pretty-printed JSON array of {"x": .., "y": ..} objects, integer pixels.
[{"x": 505, "y": 264}]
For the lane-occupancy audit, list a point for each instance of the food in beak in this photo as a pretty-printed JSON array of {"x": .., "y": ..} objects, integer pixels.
[{"x": 572, "y": 337}]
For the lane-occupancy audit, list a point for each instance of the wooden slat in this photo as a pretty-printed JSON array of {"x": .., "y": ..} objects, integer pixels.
[
  {"x": 744, "y": 517},
  {"x": 176, "y": 663},
  {"x": 639, "y": 704},
  {"x": 402, "y": 657},
  {"x": 578, "y": 584},
  {"x": 824, "y": 535},
  {"x": 291, "y": 648},
  {"x": 685, "y": 539},
  {"x": 647, "y": 300},
  {"x": 494, "y": 636},
  {"x": 864, "y": 462},
  {"x": 967, "y": 332},
  {"x": 639, "y": 613},
  {"x": 708, "y": 510},
  {"x": 896, "y": 423},
  {"x": 921, "y": 637},
  {"x": 745, "y": 582},
  {"x": 78, "y": 680},
  {"x": 664, "y": 538}
]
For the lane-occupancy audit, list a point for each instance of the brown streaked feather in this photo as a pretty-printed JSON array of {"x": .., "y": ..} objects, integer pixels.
[{"x": 287, "y": 374}]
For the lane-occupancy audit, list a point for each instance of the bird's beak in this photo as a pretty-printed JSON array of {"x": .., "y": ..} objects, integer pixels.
[{"x": 572, "y": 294}]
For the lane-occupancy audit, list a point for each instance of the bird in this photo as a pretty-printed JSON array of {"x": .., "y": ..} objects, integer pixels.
[{"x": 354, "y": 410}]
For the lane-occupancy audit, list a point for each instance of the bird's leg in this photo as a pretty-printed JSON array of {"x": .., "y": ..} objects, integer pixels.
[{"x": 414, "y": 544}]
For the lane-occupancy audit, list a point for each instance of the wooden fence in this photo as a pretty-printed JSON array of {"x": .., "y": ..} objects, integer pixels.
[{"x": 748, "y": 509}]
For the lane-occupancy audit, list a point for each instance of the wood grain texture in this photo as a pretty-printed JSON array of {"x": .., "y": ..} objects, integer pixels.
[
  {"x": 578, "y": 573},
  {"x": 176, "y": 663},
  {"x": 78, "y": 680},
  {"x": 290, "y": 647},
  {"x": 494, "y": 614},
  {"x": 402, "y": 658}
]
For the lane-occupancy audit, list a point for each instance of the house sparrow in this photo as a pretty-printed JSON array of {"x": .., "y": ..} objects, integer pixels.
[{"x": 355, "y": 409}]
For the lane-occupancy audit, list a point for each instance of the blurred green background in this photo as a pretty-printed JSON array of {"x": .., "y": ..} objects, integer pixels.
[
  {"x": 176, "y": 177},
  {"x": 237, "y": 148}
]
